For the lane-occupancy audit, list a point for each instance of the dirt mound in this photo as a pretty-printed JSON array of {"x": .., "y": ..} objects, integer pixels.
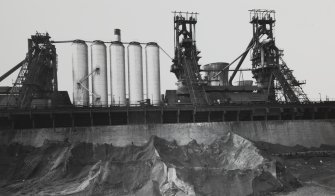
[{"x": 231, "y": 165}]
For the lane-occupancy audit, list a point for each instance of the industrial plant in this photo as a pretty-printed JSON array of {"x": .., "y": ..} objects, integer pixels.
[
  {"x": 120, "y": 134},
  {"x": 203, "y": 94}
]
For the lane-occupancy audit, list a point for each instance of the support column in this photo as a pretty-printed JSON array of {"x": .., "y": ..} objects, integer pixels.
[
  {"x": 293, "y": 113},
  {"x": 326, "y": 113},
  {"x": 109, "y": 117},
  {"x": 162, "y": 114},
  {"x": 32, "y": 120},
  {"x": 178, "y": 114},
  {"x": 145, "y": 116},
  {"x": 52, "y": 116},
  {"x": 127, "y": 116},
  {"x": 281, "y": 113},
  {"x": 193, "y": 114},
  {"x": 266, "y": 113},
  {"x": 252, "y": 115},
  {"x": 91, "y": 119},
  {"x": 12, "y": 121},
  {"x": 313, "y": 113},
  {"x": 72, "y": 120}
]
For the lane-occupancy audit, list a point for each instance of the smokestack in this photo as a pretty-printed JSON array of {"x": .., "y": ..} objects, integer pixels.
[{"x": 117, "y": 33}]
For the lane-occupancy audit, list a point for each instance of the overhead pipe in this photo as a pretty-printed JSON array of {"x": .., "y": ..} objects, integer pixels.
[
  {"x": 12, "y": 70},
  {"x": 241, "y": 61}
]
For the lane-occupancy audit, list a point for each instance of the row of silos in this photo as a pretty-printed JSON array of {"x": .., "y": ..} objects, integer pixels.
[{"x": 99, "y": 91}]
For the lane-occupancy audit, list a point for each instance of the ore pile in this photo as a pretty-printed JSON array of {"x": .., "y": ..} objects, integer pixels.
[{"x": 231, "y": 165}]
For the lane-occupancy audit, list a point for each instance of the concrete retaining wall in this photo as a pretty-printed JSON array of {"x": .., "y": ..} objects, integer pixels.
[{"x": 290, "y": 133}]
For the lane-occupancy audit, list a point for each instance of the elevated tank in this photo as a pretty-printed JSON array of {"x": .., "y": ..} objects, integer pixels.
[
  {"x": 153, "y": 73},
  {"x": 211, "y": 74},
  {"x": 79, "y": 72},
  {"x": 118, "y": 78},
  {"x": 135, "y": 73},
  {"x": 99, "y": 73}
]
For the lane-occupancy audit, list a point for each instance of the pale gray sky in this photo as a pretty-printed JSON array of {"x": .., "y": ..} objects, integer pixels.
[{"x": 305, "y": 29}]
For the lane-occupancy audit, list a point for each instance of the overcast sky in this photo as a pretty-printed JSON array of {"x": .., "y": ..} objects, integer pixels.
[{"x": 304, "y": 29}]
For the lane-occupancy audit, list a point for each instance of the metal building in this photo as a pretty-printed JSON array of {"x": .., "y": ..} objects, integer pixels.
[
  {"x": 153, "y": 73},
  {"x": 216, "y": 74},
  {"x": 135, "y": 73},
  {"x": 117, "y": 72},
  {"x": 99, "y": 74},
  {"x": 79, "y": 73}
]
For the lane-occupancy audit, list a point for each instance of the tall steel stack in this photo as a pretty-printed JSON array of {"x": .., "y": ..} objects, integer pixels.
[
  {"x": 135, "y": 73},
  {"x": 79, "y": 73},
  {"x": 153, "y": 73},
  {"x": 117, "y": 71},
  {"x": 99, "y": 74}
]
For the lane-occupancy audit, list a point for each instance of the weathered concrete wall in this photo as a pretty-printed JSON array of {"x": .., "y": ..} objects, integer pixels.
[{"x": 290, "y": 133}]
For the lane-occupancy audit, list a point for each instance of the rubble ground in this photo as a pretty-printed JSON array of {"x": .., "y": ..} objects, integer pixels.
[
  {"x": 231, "y": 165},
  {"x": 315, "y": 171}
]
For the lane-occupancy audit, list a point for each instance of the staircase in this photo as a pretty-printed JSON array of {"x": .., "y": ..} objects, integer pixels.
[
  {"x": 291, "y": 87},
  {"x": 197, "y": 92}
]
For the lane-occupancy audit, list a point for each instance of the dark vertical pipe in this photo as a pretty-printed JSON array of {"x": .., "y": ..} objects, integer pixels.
[{"x": 54, "y": 69}]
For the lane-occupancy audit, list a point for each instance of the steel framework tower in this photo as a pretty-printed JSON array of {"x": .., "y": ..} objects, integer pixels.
[
  {"x": 185, "y": 63},
  {"x": 37, "y": 78},
  {"x": 268, "y": 67}
]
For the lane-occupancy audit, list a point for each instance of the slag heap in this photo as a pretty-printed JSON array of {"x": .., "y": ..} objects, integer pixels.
[{"x": 231, "y": 165}]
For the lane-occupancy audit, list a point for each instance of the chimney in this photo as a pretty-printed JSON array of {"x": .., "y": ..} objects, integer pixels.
[{"x": 117, "y": 33}]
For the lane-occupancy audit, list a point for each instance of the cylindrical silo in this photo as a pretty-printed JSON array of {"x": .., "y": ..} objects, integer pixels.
[
  {"x": 99, "y": 74},
  {"x": 79, "y": 72},
  {"x": 153, "y": 73},
  {"x": 135, "y": 73},
  {"x": 118, "y": 77}
]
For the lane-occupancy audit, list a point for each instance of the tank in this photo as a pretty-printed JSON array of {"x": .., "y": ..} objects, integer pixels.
[
  {"x": 117, "y": 72},
  {"x": 79, "y": 72},
  {"x": 153, "y": 73},
  {"x": 135, "y": 73},
  {"x": 212, "y": 76},
  {"x": 99, "y": 74}
]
